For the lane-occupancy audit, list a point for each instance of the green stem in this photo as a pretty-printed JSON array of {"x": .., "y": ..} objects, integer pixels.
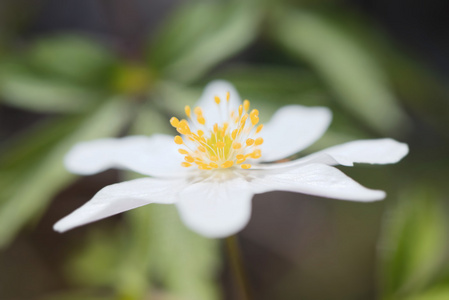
[{"x": 237, "y": 267}]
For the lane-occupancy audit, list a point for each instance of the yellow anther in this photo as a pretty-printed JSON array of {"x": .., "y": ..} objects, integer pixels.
[
  {"x": 234, "y": 133},
  {"x": 189, "y": 159},
  {"x": 198, "y": 111},
  {"x": 222, "y": 145},
  {"x": 201, "y": 120},
  {"x": 244, "y": 118},
  {"x": 255, "y": 120},
  {"x": 187, "y": 110},
  {"x": 178, "y": 140},
  {"x": 183, "y": 130},
  {"x": 256, "y": 153},
  {"x": 227, "y": 164},
  {"x": 236, "y": 146},
  {"x": 258, "y": 141},
  {"x": 246, "y": 105},
  {"x": 174, "y": 122},
  {"x": 183, "y": 123},
  {"x": 254, "y": 112}
]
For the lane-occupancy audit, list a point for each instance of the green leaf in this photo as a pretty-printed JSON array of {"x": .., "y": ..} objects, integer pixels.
[
  {"x": 201, "y": 36},
  {"x": 354, "y": 76},
  {"x": 95, "y": 261},
  {"x": 150, "y": 121},
  {"x": 46, "y": 174},
  {"x": 73, "y": 57},
  {"x": 28, "y": 91},
  {"x": 414, "y": 242},
  {"x": 432, "y": 294}
]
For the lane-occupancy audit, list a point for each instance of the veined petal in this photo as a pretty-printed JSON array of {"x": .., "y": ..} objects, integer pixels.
[
  {"x": 120, "y": 197},
  {"x": 314, "y": 179},
  {"x": 155, "y": 156},
  {"x": 216, "y": 209},
  {"x": 216, "y": 113},
  {"x": 292, "y": 129}
]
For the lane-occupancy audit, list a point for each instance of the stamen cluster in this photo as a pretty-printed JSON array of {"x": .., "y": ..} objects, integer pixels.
[{"x": 224, "y": 145}]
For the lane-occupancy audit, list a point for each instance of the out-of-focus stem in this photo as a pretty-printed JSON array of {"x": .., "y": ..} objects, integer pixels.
[{"x": 237, "y": 267}]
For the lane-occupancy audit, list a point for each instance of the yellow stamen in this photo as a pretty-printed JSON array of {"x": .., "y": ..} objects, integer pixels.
[
  {"x": 246, "y": 105},
  {"x": 236, "y": 146},
  {"x": 178, "y": 140},
  {"x": 234, "y": 133},
  {"x": 189, "y": 159},
  {"x": 227, "y": 164},
  {"x": 198, "y": 111},
  {"x": 174, "y": 122},
  {"x": 201, "y": 120},
  {"x": 187, "y": 110},
  {"x": 256, "y": 154},
  {"x": 255, "y": 120},
  {"x": 227, "y": 143}
]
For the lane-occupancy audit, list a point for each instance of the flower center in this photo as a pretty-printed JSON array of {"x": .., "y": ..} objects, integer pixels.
[{"x": 228, "y": 143}]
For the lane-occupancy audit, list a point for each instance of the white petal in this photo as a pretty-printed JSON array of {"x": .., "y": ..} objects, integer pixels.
[
  {"x": 155, "y": 156},
  {"x": 315, "y": 179},
  {"x": 212, "y": 112},
  {"x": 216, "y": 209},
  {"x": 380, "y": 151},
  {"x": 120, "y": 197},
  {"x": 293, "y": 128}
]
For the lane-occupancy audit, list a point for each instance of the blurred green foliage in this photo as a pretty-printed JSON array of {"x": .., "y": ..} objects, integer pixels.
[{"x": 88, "y": 89}]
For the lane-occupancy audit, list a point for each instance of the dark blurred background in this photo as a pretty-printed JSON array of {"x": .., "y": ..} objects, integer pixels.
[{"x": 79, "y": 70}]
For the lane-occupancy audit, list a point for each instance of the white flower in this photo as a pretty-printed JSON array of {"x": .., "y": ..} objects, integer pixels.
[{"x": 213, "y": 170}]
